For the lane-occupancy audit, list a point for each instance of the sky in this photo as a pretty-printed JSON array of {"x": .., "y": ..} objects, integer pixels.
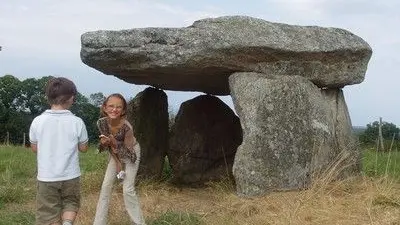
[{"x": 42, "y": 37}]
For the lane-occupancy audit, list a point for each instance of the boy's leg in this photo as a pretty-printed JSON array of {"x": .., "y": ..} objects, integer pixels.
[
  {"x": 67, "y": 215},
  {"x": 105, "y": 194},
  {"x": 48, "y": 203},
  {"x": 131, "y": 199},
  {"x": 71, "y": 199}
]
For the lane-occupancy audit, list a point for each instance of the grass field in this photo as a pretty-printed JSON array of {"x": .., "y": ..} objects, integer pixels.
[{"x": 372, "y": 198}]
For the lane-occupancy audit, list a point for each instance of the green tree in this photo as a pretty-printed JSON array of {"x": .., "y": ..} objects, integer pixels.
[
  {"x": 97, "y": 99},
  {"x": 11, "y": 114},
  {"x": 33, "y": 97},
  {"x": 370, "y": 134},
  {"x": 21, "y": 101},
  {"x": 89, "y": 114},
  {"x": 10, "y": 91}
]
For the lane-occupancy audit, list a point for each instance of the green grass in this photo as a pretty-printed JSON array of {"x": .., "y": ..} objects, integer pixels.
[
  {"x": 17, "y": 169},
  {"x": 378, "y": 164},
  {"x": 17, "y": 218},
  {"x": 177, "y": 218},
  {"x": 93, "y": 166},
  {"x": 16, "y": 163},
  {"x": 167, "y": 170},
  {"x": 18, "y": 182},
  {"x": 91, "y": 161},
  {"x": 14, "y": 193},
  {"x": 18, "y": 173}
]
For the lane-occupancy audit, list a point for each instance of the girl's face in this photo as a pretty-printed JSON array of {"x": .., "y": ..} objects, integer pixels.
[{"x": 114, "y": 108}]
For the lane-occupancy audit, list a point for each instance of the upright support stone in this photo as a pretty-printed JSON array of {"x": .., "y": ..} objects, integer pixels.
[
  {"x": 348, "y": 155},
  {"x": 203, "y": 141},
  {"x": 148, "y": 113},
  {"x": 290, "y": 132}
]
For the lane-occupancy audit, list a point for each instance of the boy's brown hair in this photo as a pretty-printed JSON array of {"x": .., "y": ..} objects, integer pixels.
[{"x": 59, "y": 90}]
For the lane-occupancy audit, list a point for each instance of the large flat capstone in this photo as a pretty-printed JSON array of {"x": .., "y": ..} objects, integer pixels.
[{"x": 202, "y": 56}]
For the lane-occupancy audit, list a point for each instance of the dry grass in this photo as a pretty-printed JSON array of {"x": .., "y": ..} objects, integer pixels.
[
  {"x": 359, "y": 200},
  {"x": 353, "y": 201}
]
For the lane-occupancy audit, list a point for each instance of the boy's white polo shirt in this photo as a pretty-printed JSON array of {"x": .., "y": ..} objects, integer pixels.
[{"x": 57, "y": 134}]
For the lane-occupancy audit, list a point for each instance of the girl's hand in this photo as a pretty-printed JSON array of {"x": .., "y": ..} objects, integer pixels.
[{"x": 104, "y": 140}]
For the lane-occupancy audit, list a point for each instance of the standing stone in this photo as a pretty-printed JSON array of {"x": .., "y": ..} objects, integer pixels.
[
  {"x": 148, "y": 113},
  {"x": 290, "y": 132},
  {"x": 203, "y": 141},
  {"x": 348, "y": 155}
]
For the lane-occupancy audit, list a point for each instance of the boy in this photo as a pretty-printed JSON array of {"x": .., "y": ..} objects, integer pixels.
[{"x": 56, "y": 136}]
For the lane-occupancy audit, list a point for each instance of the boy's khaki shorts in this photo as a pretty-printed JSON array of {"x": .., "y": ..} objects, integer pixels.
[{"x": 54, "y": 198}]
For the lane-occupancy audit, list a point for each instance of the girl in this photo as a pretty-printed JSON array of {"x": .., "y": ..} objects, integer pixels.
[
  {"x": 104, "y": 129},
  {"x": 122, "y": 141}
]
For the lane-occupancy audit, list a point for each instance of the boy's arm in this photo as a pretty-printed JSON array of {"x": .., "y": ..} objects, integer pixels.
[
  {"x": 34, "y": 148},
  {"x": 32, "y": 136},
  {"x": 83, "y": 144},
  {"x": 83, "y": 147}
]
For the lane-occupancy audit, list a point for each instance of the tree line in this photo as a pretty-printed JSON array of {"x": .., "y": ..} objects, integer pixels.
[
  {"x": 389, "y": 131},
  {"x": 22, "y": 101}
]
